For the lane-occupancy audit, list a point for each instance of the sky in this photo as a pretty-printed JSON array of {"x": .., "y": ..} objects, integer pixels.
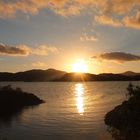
[{"x": 42, "y": 34}]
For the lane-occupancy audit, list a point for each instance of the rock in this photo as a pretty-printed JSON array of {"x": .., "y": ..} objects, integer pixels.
[{"x": 14, "y": 100}]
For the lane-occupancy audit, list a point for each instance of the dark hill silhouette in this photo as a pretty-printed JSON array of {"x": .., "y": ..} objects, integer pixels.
[
  {"x": 76, "y": 77},
  {"x": 32, "y": 75},
  {"x": 93, "y": 77},
  {"x": 130, "y": 73},
  {"x": 38, "y": 75}
]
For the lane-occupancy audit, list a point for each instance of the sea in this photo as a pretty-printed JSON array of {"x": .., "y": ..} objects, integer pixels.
[{"x": 72, "y": 111}]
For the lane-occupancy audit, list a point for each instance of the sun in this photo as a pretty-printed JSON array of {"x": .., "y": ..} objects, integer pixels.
[{"x": 80, "y": 66}]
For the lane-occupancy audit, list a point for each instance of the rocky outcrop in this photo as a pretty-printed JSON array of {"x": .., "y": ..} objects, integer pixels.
[
  {"x": 124, "y": 120},
  {"x": 14, "y": 100}
]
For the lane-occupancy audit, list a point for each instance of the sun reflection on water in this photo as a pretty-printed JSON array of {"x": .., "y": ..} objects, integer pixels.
[{"x": 79, "y": 91}]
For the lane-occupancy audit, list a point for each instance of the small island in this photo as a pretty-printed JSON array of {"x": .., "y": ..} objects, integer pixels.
[
  {"x": 124, "y": 120},
  {"x": 13, "y": 101}
]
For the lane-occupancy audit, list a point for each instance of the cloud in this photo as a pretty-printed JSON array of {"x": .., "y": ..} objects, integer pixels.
[
  {"x": 23, "y": 50},
  {"x": 108, "y": 12},
  {"x": 72, "y": 10},
  {"x": 118, "y": 13},
  {"x": 20, "y": 50},
  {"x": 119, "y": 7},
  {"x": 39, "y": 64},
  {"x": 9, "y": 8},
  {"x": 43, "y": 50},
  {"x": 108, "y": 21},
  {"x": 118, "y": 57},
  {"x": 127, "y": 21},
  {"x": 133, "y": 21},
  {"x": 86, "y": 37}
]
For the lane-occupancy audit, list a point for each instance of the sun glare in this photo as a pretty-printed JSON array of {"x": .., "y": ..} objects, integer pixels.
[
  {"x": 80, "y": 66},
  {"x": 79, "y": 90}
]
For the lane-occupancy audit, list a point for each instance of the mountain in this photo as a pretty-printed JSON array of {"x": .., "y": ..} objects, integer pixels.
[
  {"x": 92, "y": 77},
  {"x": 37, "y": 75},
  {"x": 76, "y": 77},
  {"x": 130, "y": 73},
  {"x": 32, "y": 75}
]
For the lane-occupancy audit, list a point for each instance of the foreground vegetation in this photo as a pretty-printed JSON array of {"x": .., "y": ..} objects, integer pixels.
[
  {"x": 13, "y": 101},
  {"x": 124, "y": 120}
]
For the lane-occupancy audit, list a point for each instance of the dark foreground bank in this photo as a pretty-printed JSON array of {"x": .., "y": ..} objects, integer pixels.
[
  {"x": 13, "y": 101},
  {"x": 124, "y": 120}
]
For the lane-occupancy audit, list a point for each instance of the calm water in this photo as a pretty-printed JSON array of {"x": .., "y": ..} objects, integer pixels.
[{"x": 73, "y": 111}]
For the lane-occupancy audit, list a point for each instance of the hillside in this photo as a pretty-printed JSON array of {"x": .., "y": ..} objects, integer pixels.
[
  {"x": 52, "y": 75},
  {"x": 32, "y": 75},
  {"x": 130, "y": 73}
]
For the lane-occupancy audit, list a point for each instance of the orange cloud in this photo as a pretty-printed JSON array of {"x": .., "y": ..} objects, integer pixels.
[
  {"x": 86, "y": 37},
  {"x": 10, "y": 8},
  {"x": 72, "y": 10},
  {"x": 108, "y": 21},
  {"x": 133, "y": 21},
  {"x": 119, "y": 6},
  {"x": 43, "y": 50},
  {"x": 63, "y": 7},
  {"x": 108, "y": 12}
]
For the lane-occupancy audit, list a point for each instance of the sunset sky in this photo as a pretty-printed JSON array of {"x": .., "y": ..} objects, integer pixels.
[{"x": 42, "y": 34}]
